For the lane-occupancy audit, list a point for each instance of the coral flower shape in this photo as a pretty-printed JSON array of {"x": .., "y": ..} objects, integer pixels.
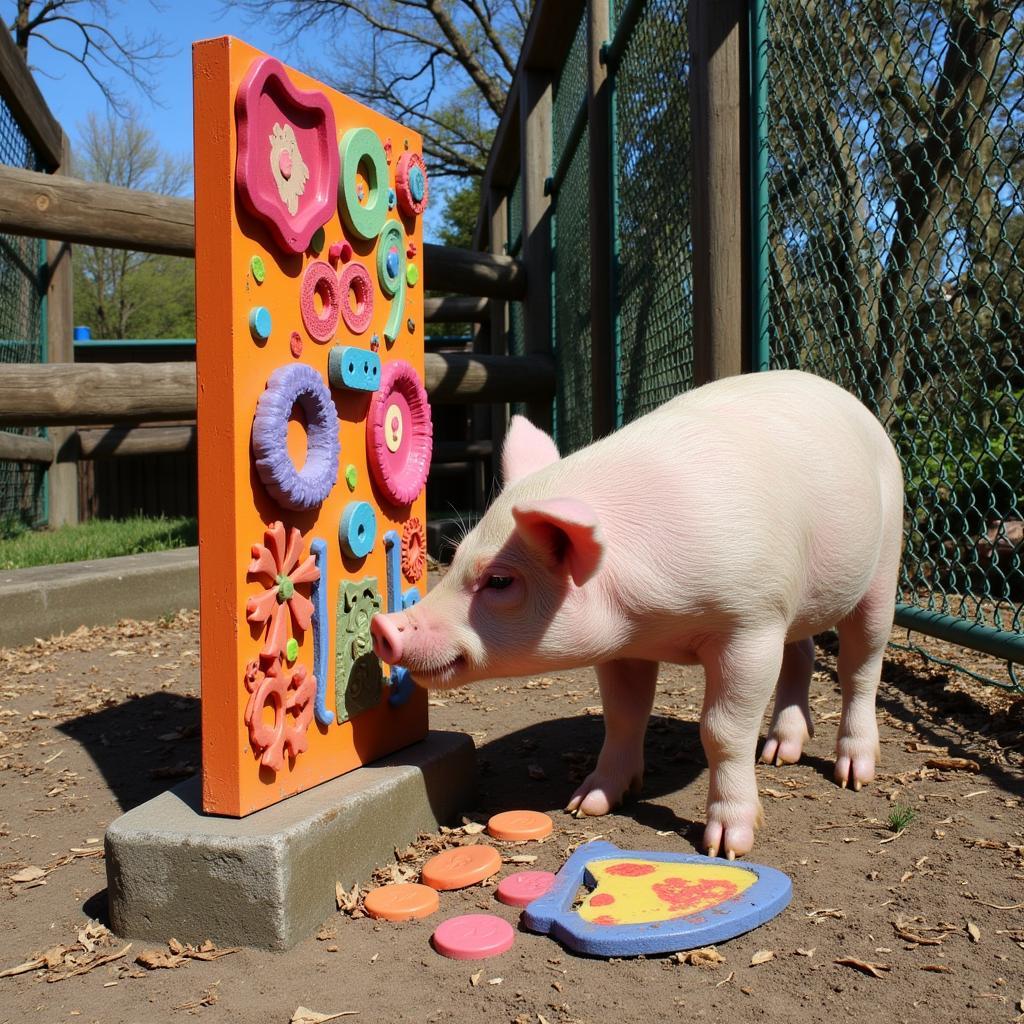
[
  {"x": 291, "y": 698},
  {"x": 277, "y": 561}
]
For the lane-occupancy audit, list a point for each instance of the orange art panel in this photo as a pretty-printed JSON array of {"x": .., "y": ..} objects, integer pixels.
[{"x": 314, "y": 429}]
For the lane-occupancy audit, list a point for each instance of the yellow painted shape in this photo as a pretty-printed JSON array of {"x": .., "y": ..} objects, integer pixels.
[{"x": 636, "y": 891}]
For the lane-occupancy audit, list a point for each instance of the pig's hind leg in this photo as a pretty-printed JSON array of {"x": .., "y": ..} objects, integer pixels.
[
  {"x": 791, "y": 720},
  {"x": 863, "y": 636},
  {"x": 740, "y": 672},
  {"x": 627, "y": 696}
]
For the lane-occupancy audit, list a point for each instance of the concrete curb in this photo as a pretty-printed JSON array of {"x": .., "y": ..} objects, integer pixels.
[
  {"x": 53, "y": 599},
  {"x": 268, "y": 880}
]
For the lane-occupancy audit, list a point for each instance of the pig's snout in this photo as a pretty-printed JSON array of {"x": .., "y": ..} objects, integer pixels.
[{"x": 387, "y": 638}]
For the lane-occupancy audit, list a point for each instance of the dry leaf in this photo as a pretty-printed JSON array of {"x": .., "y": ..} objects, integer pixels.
[
  {"x": 706, "y": 956},
  {"x": 91, "y": 965},
  {"x": 30, "y": 874},
  {"x": 806, "y": 952},
  {"x": 974, "y": 931},
  {"x": 473, "y": 828},
  {"x": 762, "y": 956},
  {"x": 864, "y": 966},
  {"x": 725, "y": 981},
  {"x": 304, "y": 1015},
  {"x": 348, "y": 902},
  {"x": 919, "y": 940},
  {"x": 156, "y": 959},
  {"x": 474, "y": 979}
]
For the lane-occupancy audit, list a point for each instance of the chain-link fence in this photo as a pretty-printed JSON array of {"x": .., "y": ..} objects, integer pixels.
[
  {"x": 894, "y": 196},
  {"x": 22, "y": 333},
  {"x": 886, "y": 206}
]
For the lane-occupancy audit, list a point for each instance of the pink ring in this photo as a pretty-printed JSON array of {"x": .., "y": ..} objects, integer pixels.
[
  {"x": 356, "y": 278},
  {"x": 407, "y": 201},
  {"x": 321, "y": 326},
  {"x": 402, "y": 473}
]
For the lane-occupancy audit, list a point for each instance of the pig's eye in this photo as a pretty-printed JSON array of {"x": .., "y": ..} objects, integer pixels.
[{"x": 499, "y": 582}]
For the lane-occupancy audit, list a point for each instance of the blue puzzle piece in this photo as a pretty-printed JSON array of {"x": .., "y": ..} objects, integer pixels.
[
  {"x": 552, "y": 913},
  {"x": 321, "y": 633},
  {"x": 355, "y": 368}
]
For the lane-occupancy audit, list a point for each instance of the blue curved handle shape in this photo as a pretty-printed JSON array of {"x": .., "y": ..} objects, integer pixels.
[{"x": 321, "y": 633}]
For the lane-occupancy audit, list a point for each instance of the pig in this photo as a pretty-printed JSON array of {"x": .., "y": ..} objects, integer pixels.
[{"x": 724, "y": 528}]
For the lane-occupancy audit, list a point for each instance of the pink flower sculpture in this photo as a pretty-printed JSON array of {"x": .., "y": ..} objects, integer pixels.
[
  {"x": 278, "y": 563},
  {"x": 291, "y": 698}
]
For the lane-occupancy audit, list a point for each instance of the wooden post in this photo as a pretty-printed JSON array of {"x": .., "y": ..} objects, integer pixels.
[
  {"x": 720, "y": 229},
  {"x": 497, "y": 211},
  {"x": 602, "y": 243},
  {"x": 62, "y": 478},
  {"x": 535, "y": 169}
]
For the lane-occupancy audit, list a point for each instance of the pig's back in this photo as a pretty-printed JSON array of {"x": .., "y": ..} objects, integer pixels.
[{"x": 768, "y": 493}]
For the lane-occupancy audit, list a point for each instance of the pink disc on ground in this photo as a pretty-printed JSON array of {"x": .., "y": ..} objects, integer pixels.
[
  {"x": 473, "y": 937},
  {"x": 524, "y": 887}
]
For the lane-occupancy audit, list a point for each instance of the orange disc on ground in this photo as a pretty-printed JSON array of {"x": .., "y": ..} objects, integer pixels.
[
  {"x": 401, "y": 902},
  {"x": 516, "y": 825},
  {"x": 462, "y": 866}
]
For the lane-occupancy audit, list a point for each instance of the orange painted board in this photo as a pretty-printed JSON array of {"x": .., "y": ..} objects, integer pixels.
[{"x": 251, "y": 257}]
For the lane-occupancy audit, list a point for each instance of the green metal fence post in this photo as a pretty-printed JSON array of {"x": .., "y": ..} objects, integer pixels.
[{"x": 760, "y": 358}]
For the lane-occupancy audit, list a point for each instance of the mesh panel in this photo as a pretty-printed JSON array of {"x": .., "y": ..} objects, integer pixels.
[
  {"x": 22, "y": 328},
  {"x": 652, "y": 156},
  {"x": 896, "y": 217},
  {"x": 573, "y": 403}
]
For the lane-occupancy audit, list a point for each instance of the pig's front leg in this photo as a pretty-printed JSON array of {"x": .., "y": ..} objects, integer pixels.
[
  {"x": 740, "y": 674},
  {"x": 627, "y": 696}
]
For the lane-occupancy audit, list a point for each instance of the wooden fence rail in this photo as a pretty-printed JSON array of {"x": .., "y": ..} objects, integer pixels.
[
  {"x": 72, "y": 394},
  {"x": 71, "y": 210}
]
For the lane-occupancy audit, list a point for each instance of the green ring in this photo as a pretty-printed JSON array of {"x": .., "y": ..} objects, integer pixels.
[
  {"x": 357, "y": 145},
  {"x": 392, "y": 235}
]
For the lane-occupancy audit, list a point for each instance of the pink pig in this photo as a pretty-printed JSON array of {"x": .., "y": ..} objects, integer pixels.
[{"x": 727, "y": 528}]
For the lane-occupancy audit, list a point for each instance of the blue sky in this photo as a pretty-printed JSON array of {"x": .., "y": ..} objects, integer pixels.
[{"x": 71, "y": 95}]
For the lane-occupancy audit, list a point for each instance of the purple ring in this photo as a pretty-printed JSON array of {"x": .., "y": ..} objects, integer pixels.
[{"x": 288, "y": 386}]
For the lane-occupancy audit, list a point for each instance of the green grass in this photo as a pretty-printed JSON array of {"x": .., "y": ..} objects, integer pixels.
[
  {"x": 900, "y": 817},
  {"x": 98, "y": 538}
]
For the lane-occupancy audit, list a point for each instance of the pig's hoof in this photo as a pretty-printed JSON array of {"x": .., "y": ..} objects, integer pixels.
[
  {"x": 730, "y": 829},
  {"x": 854, "y": 770},
  {"x": 790, "y": 729},
  {"x": 600, "y": 795},
  {"x": 780, "y": 750}
]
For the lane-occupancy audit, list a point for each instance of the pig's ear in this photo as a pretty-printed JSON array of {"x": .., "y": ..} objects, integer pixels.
[
  {"x": 567, "y": 531},
  {"x": 526, "y": 450}
]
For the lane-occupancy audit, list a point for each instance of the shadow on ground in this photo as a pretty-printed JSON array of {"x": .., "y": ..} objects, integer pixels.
[{"x": 143, "y": 745}]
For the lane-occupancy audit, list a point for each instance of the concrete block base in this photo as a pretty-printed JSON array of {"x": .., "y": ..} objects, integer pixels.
[{"x": 268, "y": 880}]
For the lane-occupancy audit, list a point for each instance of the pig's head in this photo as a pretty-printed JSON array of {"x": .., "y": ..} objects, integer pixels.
[{"x": 514, "y": 601}]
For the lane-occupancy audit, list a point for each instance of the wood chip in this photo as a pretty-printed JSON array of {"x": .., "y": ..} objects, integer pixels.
[
  {"x": 974, "y": 931},
  {"x": 762, "y": 956},
  {"x": 876, "y": 970},
  {"x": 30, "y": 874},
  {"x": 918, "y": 940},
  {"x": 806, "y": 952},
  {"x": 953, "y": 764},
  {"x": 303, "y": 1015},
  {"x": 936, "y": 968}
]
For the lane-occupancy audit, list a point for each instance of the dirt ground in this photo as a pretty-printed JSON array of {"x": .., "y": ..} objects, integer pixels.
[{"x": 94, "y": 723}]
